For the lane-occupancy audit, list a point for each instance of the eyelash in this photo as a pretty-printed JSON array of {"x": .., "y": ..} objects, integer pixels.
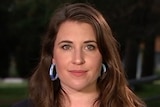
[
  {"x": 66, "y": 47},
  {"x": 89, "y": 47}
]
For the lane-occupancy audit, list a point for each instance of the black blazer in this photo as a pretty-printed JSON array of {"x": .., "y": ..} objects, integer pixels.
[{"x": 23, "y": 103}]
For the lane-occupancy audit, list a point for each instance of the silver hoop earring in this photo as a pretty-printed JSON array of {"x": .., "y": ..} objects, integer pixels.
[
  {"x": 51, "y": 73},
  {"x": 104, "y": 68}
]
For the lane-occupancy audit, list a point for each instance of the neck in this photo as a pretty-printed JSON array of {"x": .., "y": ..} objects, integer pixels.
[{"x": 81, "y": 98}]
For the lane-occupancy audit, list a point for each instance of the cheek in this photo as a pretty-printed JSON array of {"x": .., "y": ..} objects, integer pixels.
[
  {"x": 98, "y": 67},
  {"x": 97, "y": 60},
  {"x": 60, "y": 62},
  {"x": 60, "y": 67},
  {"x": 58, "y": 56},
  {"x": 98, "y": 64}
]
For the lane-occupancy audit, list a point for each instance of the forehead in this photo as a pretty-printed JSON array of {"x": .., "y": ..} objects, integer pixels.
[{"x": 75, "y": 29}]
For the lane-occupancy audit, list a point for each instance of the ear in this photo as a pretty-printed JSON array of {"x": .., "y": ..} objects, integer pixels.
[{"x": 53, "y": 61}]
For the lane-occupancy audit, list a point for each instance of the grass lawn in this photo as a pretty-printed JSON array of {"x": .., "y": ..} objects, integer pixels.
[
  {"x": 11, "y": 93},
  {"x": 149, "y": 91}
]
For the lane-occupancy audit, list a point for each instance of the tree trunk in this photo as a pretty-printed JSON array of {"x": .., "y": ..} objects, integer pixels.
[
  {"x": 148, "y": 59},
  {"x": 130, "y": 60}
]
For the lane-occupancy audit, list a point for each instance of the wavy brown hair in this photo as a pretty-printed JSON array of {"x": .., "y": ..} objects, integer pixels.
[{"x": 113, "y": 86}]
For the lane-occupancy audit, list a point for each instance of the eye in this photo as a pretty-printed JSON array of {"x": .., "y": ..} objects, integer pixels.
[
  {"x": 90, "y": 47},
  {"x": 66, "y": 47}
]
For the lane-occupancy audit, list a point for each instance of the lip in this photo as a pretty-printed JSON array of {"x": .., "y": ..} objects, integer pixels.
[{"x": 78, "y": 73}]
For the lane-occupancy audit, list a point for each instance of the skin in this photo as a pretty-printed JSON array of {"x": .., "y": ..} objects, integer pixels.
[{"x": 78, "y": 61}]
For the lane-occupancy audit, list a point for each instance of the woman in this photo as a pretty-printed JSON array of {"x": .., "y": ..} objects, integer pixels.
[{"x": 80, "y": 65}]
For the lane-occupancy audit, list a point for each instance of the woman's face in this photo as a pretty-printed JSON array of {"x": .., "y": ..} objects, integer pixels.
[{"x": 76, "y": 56}]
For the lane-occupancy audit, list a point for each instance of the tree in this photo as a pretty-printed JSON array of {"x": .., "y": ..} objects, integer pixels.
[
  {"x": 4, "y": 41},
  {"x": 29, "y": 22},
  {"x": 130, "y": 20}
]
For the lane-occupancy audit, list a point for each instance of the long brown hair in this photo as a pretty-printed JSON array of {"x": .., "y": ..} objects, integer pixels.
[{"x": 114, "y": 91}]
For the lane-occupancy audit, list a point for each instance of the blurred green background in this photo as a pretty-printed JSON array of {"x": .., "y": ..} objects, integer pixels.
[
  {"x": 11, "y": 93},
  {"x": 135, "y": 25}
]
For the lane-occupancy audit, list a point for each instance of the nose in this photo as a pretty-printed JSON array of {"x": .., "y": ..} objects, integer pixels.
[{"x": 78, "y": 57}]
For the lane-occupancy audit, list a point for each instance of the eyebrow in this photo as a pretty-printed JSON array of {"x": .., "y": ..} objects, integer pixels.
[
  {"x": 89, "y": 41},
  {"x": 67, "y": 41}
]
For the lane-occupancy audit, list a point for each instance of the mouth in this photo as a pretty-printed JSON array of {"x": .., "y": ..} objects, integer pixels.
[{"x": 78, "y": 73}]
